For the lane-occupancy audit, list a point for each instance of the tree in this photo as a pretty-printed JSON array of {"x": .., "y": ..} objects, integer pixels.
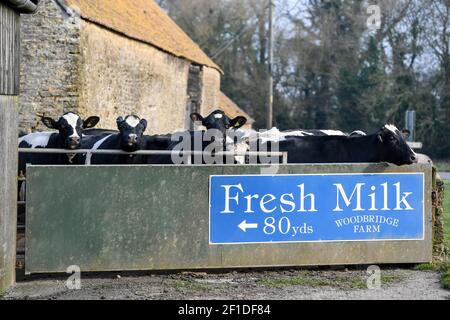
[{"x": 331, "y": 71}]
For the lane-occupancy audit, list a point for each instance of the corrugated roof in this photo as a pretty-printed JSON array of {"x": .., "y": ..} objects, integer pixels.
[
  {"x": 145, "y": 21},
  {"x": 231, "y": 109}
]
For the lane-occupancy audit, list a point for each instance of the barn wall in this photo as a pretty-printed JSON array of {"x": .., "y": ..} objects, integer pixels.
[
  {"x": 120, "y": 76},
  {"x": 9, "y": 67},
  {"x": 211, "y": 90},
  {"x": 49, "y": 60},
  {"x": 69, "y": 64}
]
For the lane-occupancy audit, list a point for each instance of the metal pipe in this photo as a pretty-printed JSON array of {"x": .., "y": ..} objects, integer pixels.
[
  {"x": 285, "y": 158},
  {"x": 143, "y": 152},
  {"x": 24, "y": 6},
  {"x": 270, "y": 69}
]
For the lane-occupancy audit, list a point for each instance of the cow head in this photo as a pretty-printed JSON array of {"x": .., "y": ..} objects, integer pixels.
[
  {"x": 393, "y": 146},
  {"x": 218, "y": 120},
  {"x": 70, "y": 127},
  {"x": 132, "y": 130}
]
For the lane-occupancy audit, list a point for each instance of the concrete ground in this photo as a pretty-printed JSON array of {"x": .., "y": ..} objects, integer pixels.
[{"x": 396, "y": 283}]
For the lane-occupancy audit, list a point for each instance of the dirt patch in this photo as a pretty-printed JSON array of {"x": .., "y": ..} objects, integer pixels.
[{"x": 265, "y": 285}]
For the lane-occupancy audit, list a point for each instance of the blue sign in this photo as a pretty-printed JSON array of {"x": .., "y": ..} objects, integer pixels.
[{"x": 316, "y": 208}]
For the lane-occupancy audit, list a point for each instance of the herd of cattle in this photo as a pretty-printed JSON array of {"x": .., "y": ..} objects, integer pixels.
[{"x": 302, "y": 146}]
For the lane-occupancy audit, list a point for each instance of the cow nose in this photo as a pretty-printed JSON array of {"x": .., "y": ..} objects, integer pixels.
[
  {"x": 75, "y": 139},
  {"x": 132, "y": 138},
  {"x": 414, "y": 159}
]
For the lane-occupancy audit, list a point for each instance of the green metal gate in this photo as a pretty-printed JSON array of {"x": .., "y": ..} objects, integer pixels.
[{"x": 111, "y": 218}]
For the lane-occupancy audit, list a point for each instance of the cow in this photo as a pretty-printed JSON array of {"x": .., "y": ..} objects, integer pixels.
[
  {"x": 386, "y": 145},
  {"x": 247, "y": 139},
  {"x": 238, "y": 140},
  {"x": 68, "y": 136},
  {"x": 218, "y": 120},
  {"x": 275, "y": 134},
  {"x": 129, "y": 138},
  {"x": 229, "y": 129},
  {"x": 98, "y": 131},
  {"x": 219, "y": 128}
]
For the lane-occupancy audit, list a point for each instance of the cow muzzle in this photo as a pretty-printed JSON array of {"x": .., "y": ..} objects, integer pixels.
[
  {"x": 132, "y": 139},
  {"x": 73, "y": 143}
]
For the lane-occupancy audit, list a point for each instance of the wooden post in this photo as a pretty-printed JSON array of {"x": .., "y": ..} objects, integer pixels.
[{"x": 9, "y": 90}]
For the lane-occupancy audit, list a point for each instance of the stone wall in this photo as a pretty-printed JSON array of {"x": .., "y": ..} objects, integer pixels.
[
  {"x": 49, "y": 64},
  {"x": 120, "y": 76},
  {"x": 211, "y": 90},
  {"x": 70, "y": 64}
]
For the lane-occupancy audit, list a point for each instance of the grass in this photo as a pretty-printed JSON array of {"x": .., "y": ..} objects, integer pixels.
[
  {"x": 445, "y": 278},
  {"x": 427, "y": 267},
  {"x": 447, "y": 212},
  {"x": 341, "y": 282}
]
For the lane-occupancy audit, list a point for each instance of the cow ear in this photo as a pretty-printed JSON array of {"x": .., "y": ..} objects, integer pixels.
[
  {"x": 195, "y": 117},
  {"x": 119, "y": 121},
  {"x": 91, "y": 122},
  {"x": 49, "y": 123},
  {"x": 406, "y": 134},
  {"x": 143, "y": 123},
  {"x": 238, "y": 122}
]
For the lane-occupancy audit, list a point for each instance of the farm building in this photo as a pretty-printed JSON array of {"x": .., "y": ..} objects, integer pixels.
[
  {"x": 114, "y": 57},
  {"x": 10, "y": 11}
]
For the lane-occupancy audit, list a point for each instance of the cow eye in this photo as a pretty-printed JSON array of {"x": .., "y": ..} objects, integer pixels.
[{"x": 392, "y": 138}]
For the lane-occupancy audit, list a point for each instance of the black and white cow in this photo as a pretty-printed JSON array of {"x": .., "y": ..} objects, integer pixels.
[
  {"x": 237, "y": 140},
  {"x": 129, "y": 138},
  {"x": 98, "y": 131},
  {"x": 275, "y": 135},
  {"x": 218, "y": 125},
  {"x": 218, "y": 120},
  {"x": 387, "y": 145},
  {"x": 230, "y": 130},
  {"x": 68, "y": 136}
]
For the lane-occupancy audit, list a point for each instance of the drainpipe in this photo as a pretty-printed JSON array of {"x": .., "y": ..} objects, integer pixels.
[{"x": 23, "y": 6}]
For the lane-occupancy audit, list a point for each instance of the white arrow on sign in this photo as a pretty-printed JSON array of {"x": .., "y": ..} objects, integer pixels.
[{"x": 244, "y": 226}]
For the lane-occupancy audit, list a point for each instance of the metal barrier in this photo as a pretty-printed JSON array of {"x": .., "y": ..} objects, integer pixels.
[
  {"x": 283, "y": 155},
  {"x": 20, "y": 246},
  {"x": 111, "y": 218}
]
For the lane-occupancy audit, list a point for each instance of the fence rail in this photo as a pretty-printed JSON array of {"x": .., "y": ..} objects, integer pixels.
[{"x": 284, "y": 155}]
